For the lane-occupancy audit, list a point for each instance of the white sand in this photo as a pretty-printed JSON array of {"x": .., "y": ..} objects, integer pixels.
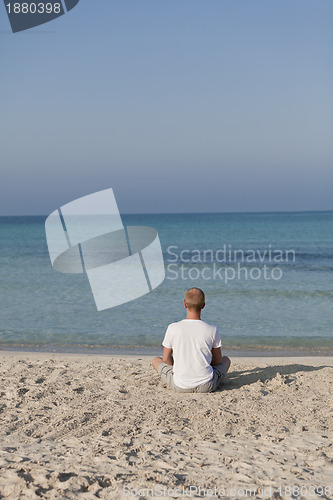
[{"x": 79, "y": 426}]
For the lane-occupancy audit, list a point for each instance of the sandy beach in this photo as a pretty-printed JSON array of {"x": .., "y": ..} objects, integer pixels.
[{"x": 88, "y": 426}]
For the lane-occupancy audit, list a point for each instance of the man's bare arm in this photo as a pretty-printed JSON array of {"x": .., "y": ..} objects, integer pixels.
[
  {"x": 167, "y": 356},
  {"x": 216, "y": 356}
]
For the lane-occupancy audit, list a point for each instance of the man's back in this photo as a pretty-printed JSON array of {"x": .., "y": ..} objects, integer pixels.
[
  {"x": 192, "y": 357},
  {"x": 191, "y": 341}
]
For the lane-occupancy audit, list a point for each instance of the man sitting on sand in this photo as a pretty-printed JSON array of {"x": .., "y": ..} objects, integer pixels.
[{"x": 192, "y": 358}]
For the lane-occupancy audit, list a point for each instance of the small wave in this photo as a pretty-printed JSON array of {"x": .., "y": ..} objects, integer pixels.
[
  {"x": 274, "y": 293},
  {"x": 239, "y": 347}
]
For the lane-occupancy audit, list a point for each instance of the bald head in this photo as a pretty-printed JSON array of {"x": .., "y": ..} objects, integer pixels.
[{"x": 194, "y": 299}]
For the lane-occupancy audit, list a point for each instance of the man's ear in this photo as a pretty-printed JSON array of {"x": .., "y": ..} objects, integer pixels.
[
  {"x": 185, "y": 305},
  {"x": 203, "y": 305}
]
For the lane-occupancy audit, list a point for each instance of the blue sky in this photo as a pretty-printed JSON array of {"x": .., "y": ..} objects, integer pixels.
[{"x": 179, "y": 106}]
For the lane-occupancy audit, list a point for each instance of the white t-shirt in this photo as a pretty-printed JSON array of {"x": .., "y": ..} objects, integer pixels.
[{"x": 192, "y": 341}]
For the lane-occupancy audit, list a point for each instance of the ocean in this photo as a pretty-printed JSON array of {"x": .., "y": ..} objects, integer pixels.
[{"x": 268, "y": 280}]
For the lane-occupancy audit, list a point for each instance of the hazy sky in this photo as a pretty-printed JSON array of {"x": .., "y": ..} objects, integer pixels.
[{"x": 179, "y": 106}]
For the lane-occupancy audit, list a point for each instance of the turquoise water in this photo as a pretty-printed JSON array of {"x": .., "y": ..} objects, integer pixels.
[{"x": 275, "y": 292}]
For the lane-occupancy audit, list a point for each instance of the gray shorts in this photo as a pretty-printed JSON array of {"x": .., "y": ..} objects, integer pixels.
[{"x": 219, "y": 371}]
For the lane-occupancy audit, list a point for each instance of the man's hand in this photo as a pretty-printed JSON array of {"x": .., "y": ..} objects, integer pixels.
[
  {"x": 167, "y": 356},
  {"x": 216, "y": 356}
]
